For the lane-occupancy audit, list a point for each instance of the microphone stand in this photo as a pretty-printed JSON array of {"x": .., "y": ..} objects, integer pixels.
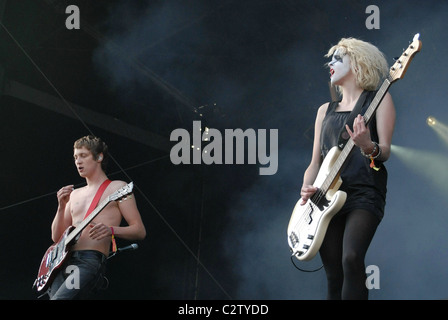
[{"x": 133, "y": 246}]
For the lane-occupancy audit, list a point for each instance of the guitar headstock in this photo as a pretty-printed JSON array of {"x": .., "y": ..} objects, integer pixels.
[
  {"x": 122, "y": 192},
  {"x": 400, "y": 66}
]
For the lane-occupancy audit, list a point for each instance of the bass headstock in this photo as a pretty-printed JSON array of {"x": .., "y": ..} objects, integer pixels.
[{"x": 401, "y": 64}]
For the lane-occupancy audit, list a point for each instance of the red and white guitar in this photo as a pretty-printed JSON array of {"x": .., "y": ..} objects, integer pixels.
[
  {"x": 309, "y": 222},
  {"x": 59, "y": 252}
]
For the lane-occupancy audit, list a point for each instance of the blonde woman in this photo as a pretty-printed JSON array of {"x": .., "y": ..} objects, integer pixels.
[{"x": 357, "y": 68}]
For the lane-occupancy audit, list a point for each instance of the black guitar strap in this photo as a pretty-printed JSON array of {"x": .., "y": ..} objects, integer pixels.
[{"x": 343, "y": 135}]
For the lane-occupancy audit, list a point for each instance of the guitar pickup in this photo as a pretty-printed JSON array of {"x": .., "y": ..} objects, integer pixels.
[{"x": 294, "y": 239}]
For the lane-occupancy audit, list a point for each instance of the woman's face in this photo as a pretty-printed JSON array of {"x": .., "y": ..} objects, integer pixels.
[{"x": 339, "y": 67}]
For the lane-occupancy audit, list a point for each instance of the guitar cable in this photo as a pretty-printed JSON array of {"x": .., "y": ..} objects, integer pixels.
[{"x": 304, "y": 270}]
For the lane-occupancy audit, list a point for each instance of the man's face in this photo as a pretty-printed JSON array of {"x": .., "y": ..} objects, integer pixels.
[
  {"x": 84, "y": 161},
  {"x": 339, "y": 67}
]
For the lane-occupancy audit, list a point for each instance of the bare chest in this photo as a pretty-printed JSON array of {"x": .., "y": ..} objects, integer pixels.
[
  {"x": 344, "y": 108},
  {"x": 81, "y": 202}
]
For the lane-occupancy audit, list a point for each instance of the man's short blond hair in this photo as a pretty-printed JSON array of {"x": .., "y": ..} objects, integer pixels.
[{"x": 96, "y": 146}]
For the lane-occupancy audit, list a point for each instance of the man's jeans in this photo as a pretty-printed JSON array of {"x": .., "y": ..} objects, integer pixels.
[{"x": 80, "y": 276}]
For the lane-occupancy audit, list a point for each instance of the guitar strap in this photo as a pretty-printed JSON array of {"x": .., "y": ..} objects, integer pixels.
[
  {"x": 343, "y": 135},
  {"x": 97, "y": 197},
  {"x": 94, "y": 203}
]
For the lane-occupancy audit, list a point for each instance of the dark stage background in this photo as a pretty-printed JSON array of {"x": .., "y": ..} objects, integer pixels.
[{"x": 137, "y": 70}]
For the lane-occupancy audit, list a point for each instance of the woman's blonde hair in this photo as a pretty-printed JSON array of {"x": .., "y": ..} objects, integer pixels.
[{"x": 367, "y": 62}]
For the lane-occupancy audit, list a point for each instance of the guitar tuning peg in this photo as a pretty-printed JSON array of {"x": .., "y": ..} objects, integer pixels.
[{"x": 396, "y": 58}]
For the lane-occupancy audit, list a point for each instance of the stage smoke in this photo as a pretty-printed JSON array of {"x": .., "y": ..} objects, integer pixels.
[{"x": 429, "y": 165}]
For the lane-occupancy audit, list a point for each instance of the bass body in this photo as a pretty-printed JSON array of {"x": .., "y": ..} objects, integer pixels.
[{"x": 309, "y": 222}]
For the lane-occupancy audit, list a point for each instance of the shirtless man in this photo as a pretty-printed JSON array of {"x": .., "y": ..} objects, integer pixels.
[{"x": 90, "y": 252}]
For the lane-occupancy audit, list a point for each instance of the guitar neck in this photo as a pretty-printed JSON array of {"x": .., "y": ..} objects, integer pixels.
[
  {"x": 345, "y": 152},
  {"x": 86, "y": 221},
  {"x": 377, "y": 100}
]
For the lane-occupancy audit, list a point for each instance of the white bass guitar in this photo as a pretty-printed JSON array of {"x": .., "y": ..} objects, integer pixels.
[{"x": 309, "y": 222}]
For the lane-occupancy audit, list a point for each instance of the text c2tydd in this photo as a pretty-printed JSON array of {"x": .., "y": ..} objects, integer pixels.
[{"x": 227, "y": 309}]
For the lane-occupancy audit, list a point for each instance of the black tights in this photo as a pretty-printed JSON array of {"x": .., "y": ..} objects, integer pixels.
[{"x": 343, "y": 251}]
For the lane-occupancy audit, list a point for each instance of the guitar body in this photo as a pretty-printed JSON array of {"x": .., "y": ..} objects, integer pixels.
[
  {"x": 309, "y": 222},
  {"x": 53, "y": 259}
]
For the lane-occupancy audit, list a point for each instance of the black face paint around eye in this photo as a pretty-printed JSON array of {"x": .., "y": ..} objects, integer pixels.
[{"x": 337, "y": 58}]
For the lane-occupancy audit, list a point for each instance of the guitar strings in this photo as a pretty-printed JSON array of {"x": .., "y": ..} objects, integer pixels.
[{"x": 114, "y": 160}]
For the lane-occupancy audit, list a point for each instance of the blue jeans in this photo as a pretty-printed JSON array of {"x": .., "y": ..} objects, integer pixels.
[{"x": 80, "y": 276}]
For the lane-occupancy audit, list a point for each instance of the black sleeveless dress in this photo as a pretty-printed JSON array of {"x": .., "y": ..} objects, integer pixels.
[{"x": 365, "y": 187}]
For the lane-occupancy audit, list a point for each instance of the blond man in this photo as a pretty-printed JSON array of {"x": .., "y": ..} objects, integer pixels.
[{"x": 89, "y": 253}]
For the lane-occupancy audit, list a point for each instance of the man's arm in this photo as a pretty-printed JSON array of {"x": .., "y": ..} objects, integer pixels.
[{"x": 135, "y": 229}]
